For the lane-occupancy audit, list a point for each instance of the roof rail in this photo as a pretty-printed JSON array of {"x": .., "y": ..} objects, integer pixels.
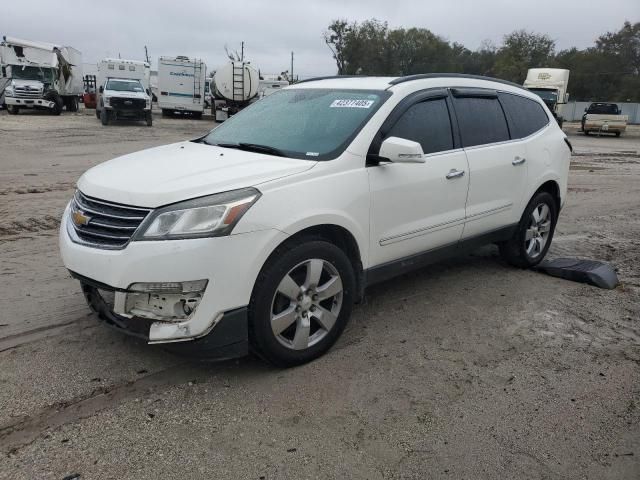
[
  {"x": 421, "y": 76},
  {"x": 329, "y": 77}
]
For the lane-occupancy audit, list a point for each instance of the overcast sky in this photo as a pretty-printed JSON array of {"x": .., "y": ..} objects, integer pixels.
[{"x": 272, "y": 29}]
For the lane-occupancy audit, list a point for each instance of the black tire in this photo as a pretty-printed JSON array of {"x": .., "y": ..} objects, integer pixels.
[
  {"x": 58, "y": 102},
  {"x": 73, "y": 104},
  {"x": 13, "y": 109},
  {"x": 105, "y": 116},
  {"x": 197, "y": 115},
  {"x": 618, "y": 134},
  {"x": 586, "y": 132},
  {"x": 166, "y": 113},
  {"x": 148, "y": 118},
  {"x": 515, "y": 251},
  {"x": 289, "y": 259},
  {"x": 98, "y": 114}
]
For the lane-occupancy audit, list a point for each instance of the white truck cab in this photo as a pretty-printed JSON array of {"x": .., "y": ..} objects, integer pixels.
[{"x": 263, "y": 233}]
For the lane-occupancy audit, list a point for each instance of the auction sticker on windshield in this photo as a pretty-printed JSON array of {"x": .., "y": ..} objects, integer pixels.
[{"x": 346, "y": 103}]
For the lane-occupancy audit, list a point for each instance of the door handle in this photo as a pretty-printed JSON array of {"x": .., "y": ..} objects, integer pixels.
[
  {"x": 453, "y": 173},
  {"x": 518, "y": 161}
]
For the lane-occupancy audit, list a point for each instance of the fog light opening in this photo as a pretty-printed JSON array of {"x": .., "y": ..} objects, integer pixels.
[{"x": 164, "y": 301}]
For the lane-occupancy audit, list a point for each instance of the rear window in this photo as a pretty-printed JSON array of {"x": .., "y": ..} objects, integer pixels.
[
  {"x": 603, "y": 109},
  {"x": 525, "y": 116},
  {"x": 428, "y": 124},
  {"x": 481, "y": 121}
]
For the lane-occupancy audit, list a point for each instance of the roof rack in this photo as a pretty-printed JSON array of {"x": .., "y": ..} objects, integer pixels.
[
  {"x": 329, "y": 77},
  {"x": 421, "y": 76}
]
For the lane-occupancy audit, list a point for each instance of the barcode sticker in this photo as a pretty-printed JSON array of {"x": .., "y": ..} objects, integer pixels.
[{"x": 346, "y": 103}]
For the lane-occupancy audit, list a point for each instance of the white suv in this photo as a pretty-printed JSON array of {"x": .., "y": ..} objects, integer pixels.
[{"x": 262, "y": 234}]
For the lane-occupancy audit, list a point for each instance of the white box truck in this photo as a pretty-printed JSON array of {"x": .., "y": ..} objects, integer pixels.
[
  {"x": 181, "y": 85},
  {"x": 40, "y": 75},
  {"x": 550, "y": 84},
  {"x": 120, "y": 68}
]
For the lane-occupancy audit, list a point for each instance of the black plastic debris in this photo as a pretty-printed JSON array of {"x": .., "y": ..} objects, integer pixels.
[{"x": 593, "y": 272}]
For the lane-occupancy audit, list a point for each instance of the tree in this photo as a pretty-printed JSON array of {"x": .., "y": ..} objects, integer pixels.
[{"x": 520, "y": 51}]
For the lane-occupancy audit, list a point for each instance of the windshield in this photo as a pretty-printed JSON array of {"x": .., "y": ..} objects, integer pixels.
[
  {"x": 603, "y": 109},
  {"x": 313, "y": 124},
  {"x": 546, "y": 95},
  {"x": 44, "y": 75},
  {"x": 124, "y": 85}
]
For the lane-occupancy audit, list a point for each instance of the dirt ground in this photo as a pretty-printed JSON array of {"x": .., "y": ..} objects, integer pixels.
[{"x": 468, "y": 369}]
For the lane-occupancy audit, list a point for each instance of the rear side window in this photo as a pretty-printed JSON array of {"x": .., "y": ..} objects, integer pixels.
[
  {"x": 481, "y": 121},
  {"x": 428, "y": 124},
  {"x": 525, "y": 116}
]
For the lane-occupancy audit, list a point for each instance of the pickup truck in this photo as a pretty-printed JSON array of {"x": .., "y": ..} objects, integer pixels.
[{"x": 604, "y": 118}]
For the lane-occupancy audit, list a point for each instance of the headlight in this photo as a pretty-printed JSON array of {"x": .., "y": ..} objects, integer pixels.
[
  {"x": 9, "y": 91},
  {"x": 211, "y": 216},
  {"x": 107, "y": 100}
]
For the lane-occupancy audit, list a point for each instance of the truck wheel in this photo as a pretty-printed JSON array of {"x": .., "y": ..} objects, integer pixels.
[
  {"x": 586, "y": 132},
  {"x": 534, "y": 233},
  {"x": 149, "y": 119},
  {"x": 197, "y": 115},
  {"x": 58, "y": 102},
  {"x": 13, "y": 109},
  {"x": 72, "y": 104},
  {"x": 98, "y": 114},
  {"x": 166, "y": 113},
  {"x": 105, "y": 116},
  {"x": 301, "y": 302},
  {"x": 618, "y": 134}
]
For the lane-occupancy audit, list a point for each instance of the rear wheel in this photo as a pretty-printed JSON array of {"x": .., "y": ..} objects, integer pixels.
[
  {"x": 301, "y": 302},
  {"x": 72, "y": 104},
  {"x": 148, "y": 118},
  {"x": 534, "y": 233}
]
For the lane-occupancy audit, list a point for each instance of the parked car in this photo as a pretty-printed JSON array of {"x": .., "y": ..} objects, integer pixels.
[
  {"x": 262, "y": 234},
  {"x": 604, "y": 118}
]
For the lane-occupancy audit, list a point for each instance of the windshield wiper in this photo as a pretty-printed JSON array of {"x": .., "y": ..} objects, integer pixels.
[{"x": 250, "y": 147}]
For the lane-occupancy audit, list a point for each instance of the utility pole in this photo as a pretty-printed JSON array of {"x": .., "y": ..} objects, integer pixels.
[
  {"x": 241, "y": 52},
  {"x": 146, "y": 54},
  {"x": 291, "y": 67}
]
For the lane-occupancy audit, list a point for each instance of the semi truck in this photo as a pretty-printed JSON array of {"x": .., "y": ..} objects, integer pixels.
[
  {"x": 182, "y": 85},
  {"x": 39, "y": 75},
  {"x": 550, "y": 84}
]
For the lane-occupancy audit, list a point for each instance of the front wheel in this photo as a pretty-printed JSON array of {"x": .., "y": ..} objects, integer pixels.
[
  {"x": 301, "y": 302},
  {"x": 534, "y": 233},
  {"x": 105, "y": 116},
  {"x": 13, "y": 109},
  {"x": 148, "y": 118}
]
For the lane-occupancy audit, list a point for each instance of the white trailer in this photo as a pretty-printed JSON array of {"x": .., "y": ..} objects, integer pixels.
[
  {"x": 181, "y": 85},
  {"x": 40, "y": 75},
  {"x": 550, "y": 84},
  {"x": 122, "y": 68}
]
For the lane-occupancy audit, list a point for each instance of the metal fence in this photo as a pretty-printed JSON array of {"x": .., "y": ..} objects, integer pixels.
[{"x": 573, "y": 111}]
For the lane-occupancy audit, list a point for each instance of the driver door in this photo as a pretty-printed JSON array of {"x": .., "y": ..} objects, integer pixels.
[{"x": 418, "y": 207}]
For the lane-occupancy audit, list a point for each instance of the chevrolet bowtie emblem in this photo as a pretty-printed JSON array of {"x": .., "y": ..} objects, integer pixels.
[{"x": 79, "y": 218}]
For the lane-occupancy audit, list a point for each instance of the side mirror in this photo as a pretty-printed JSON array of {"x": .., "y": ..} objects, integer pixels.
[
  {"x": 101, "y": 89},
  {"x": 148, "y": 92},
  {"x": 586, "y": 109},
  {"x": 401, "y": 150}
]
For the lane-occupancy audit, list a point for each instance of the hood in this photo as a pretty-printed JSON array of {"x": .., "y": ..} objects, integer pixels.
[
  {"x": 181, "y": 171},
  {"x": 115, "y": 93},
  {"x": 33, "y": 84}
]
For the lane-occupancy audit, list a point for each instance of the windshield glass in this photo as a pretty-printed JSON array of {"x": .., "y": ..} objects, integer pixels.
[
  {"x": 546, "y": 95},
  {"x": 314, "y": 124},
  {"x": 44, "y": 75},
  {"x": 124, "y": 85}
]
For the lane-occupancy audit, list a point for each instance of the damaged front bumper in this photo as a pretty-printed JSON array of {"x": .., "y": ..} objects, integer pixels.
[
  {"x": 228, "y": 337},
  {"x": 29, "y": 102}
]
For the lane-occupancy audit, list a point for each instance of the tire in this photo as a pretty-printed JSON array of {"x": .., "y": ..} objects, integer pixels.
[
  {"x": 105, "y": 116},
  {"x": 148, "y": 118},
  {"x": 57, "y": 100},
  {"x": 299, "y": 334},
  {"x": 197, "y": 115},
  {"x": 618, "y": 134},
  {"x": 586, "y": 132},
  {"x": 13, "y": 109},
  {"x": 166, "y": 113},
  {"x": 73, "y": 104},
  {"x": 530, "y": 242},
  {"x": 98, "y": 114}
]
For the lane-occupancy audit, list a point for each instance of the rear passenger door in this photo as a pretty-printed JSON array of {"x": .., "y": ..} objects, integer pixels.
[
  {"x": 418, "y": 207},
  {"x": 497, "y": 165}
]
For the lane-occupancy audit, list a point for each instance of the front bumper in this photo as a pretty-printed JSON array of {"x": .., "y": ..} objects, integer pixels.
[
  {"x": 230, "y": 264},
  {"x": 29, "y": 102}
]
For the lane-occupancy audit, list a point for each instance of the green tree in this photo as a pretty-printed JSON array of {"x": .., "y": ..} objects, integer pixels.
[{"x": 520, "y": 51}]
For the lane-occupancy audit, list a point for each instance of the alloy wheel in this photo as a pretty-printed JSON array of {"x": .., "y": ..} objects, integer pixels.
[{"x": 537, "y": 233}]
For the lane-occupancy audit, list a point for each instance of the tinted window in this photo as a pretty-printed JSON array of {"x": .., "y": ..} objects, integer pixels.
[
  {"x": 481, "y": 121},
  {"x": 603, "y": 108},
  {"x": 525, "y": 116},
  {"x": 426, "y": 123}
]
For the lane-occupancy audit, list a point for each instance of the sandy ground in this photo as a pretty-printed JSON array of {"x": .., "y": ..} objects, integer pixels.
[{"x": 468, "y": 369}]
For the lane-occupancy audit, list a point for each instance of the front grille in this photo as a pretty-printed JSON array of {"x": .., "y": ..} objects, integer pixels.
[
  {"x": 24, "y": 92},
  {"x": 104, "y": 224},
  {"x": 128, "y": 103}
]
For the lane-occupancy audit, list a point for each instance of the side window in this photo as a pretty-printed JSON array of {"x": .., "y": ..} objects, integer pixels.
[
  {"x": 428, "y": 124},
  {"x": 525, "y": 116},
  {"x": 481, "y": 121}
]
